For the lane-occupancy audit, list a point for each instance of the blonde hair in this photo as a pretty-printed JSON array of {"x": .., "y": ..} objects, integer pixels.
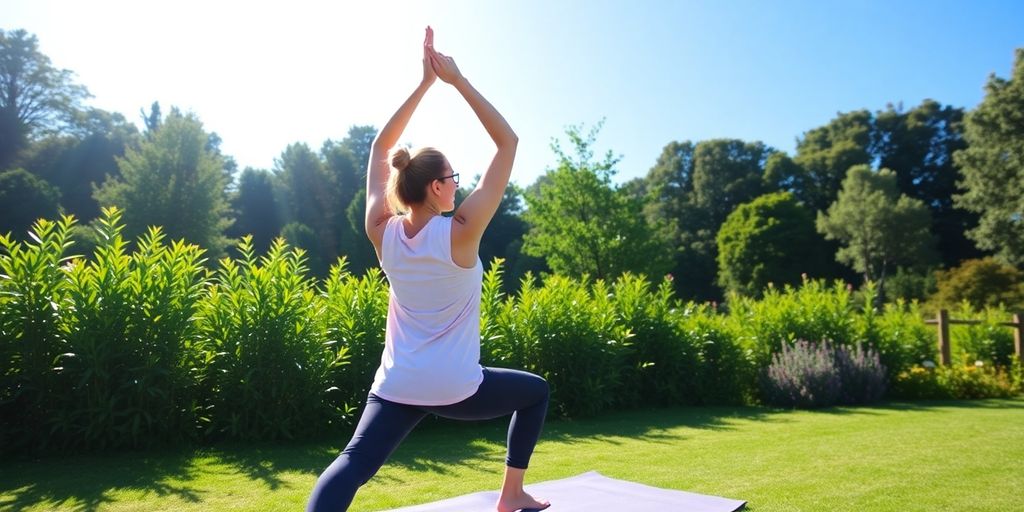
[{"x": 410, "y": 175}]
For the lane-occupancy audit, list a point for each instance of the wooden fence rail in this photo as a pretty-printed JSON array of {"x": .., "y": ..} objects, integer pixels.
[{"x": 943, "y": 321}]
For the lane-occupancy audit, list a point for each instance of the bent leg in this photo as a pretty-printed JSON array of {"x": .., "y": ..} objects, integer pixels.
[
  {"x": 381, "y": 428},
  {"x": 502, "y": 392}
]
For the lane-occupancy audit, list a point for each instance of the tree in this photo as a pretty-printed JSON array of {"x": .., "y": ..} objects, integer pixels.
[
  {"x": 174, "y": 179},
  {"x": 23, "y": 199},
  {"x": 582, "y": 225},
  {"x": 992, "y": 167},
  {"x": 982, "y": 282},
  {"x": 876, "y": 225},
  {"x": 347, "y": 177},
  {"x": 360, "y": 252},
  {"x": 81, "y": 157},
  {"x": 35, "y": 97},
  {"x": 690, "y": 191},
  {"x": 505, "y": 227},
  {"x": 358, "y": 143},
  {"x": 255, "y": 209},
  {"x": 825, "y": 154},
  {"x": 726, "y": 174},
  {"x": 311, "y": 199},
  {"x": 503, "y": 239},
  {"x": 300, "y": 236},
  {"x": 919, "y": 145},
  {"x": 768, "y": 240}
]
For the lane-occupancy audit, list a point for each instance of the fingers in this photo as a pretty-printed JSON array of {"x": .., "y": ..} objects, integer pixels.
[
  {"x": 428, "y": 40},
  {"x": 434, "y": 60}
]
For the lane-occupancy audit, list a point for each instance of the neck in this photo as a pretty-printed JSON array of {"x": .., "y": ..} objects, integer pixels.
[{"x": 421, "y": 214}]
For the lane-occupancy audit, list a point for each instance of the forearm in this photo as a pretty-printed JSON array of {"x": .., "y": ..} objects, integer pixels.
[
  {"x": 499, "y": 130},
  {"x": 392, "y": 131}
]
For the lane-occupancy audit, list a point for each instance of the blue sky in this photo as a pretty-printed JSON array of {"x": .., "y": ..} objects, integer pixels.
[{"x": 266, "y": 75}]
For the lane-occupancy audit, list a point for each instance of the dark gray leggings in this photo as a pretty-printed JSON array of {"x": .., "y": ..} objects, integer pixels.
[{"x": 385, "y": 424}]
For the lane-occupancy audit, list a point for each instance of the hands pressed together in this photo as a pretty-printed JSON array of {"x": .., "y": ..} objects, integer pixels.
[{"x": 436, "y": 64}]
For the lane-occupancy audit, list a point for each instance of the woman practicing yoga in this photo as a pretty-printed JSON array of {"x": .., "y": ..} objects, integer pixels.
[{"x": 431, "y": 359}]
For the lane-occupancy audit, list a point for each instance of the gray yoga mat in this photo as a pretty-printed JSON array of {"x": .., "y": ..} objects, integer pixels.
[{"x": 591, "y": 492}]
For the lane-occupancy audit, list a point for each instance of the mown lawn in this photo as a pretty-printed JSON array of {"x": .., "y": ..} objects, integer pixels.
[{"x": 956, "y": 455}]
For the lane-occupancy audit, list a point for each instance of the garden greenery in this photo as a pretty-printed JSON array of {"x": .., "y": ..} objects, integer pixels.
[{"x": 155, "y": 345}]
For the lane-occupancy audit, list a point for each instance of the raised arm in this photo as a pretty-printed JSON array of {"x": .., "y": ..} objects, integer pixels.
[
  {"x": 378, "y": 168},
  {"x": 478, "y": 208}
]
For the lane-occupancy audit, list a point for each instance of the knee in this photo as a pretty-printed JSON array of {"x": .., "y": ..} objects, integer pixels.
[
  {"x": 542, "y": 390},
  {"x": 349, "y": 471}
]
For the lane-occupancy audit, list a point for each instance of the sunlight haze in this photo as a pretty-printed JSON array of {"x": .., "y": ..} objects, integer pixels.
[{"x": 265, "y": 75}]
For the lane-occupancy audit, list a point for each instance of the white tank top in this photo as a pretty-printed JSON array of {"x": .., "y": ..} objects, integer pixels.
[{"x": 432, "y": 342}]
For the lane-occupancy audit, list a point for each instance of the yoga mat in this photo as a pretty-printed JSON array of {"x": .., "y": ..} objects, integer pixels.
[{"x": 591, "y": 492}]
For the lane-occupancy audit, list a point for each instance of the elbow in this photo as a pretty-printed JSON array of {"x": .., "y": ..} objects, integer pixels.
[{"x": 509, "y": 142}]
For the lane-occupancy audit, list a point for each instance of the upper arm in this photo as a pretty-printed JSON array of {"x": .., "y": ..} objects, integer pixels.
[
  {"x": 478, "y": 208},
  {"x": 377, "y": 212}
]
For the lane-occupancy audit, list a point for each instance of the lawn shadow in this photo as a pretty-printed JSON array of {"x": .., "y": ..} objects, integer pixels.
[
  {"x": 87, "y": 482},
  {"x": 24, "y": 483},
  {"x": 437, "y": 445}
]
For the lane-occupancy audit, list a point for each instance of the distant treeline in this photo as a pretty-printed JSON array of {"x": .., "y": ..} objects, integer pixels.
[{"x": 891, "y": 195}]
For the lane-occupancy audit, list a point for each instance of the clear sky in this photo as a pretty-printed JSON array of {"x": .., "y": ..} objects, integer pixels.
[{"x": 267, "y": 74}]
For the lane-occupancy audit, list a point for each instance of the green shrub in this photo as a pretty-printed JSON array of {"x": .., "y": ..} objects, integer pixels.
[
  {"x": 32, "y": 285},
  {"x": 910, "y": 284},
  {"x": 126, "y": 365},
  {"x": 1017, "y": 375},
  {"x": 814, "y": 311},
  {"x": 149, "y": 348},
  {"x": 981, "y": 283},
  {"x": 958, "y": 382},
  {"x": 918, "y": 383},
  {"x": 565, "y": 331},
  {"x": 726, "y": 370},
  {"x": 354, "y": 321},
  {"x": 899, "y": 333},
  {"x": 266, "y": 361},
  {"x": 662, "y": 365},
  {"x": 987, "y": 341}
]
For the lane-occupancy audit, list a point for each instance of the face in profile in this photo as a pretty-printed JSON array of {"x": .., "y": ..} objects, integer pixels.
[{"x": 449, "y": 182}]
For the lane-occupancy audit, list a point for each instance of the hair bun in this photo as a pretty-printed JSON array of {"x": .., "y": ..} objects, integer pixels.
[{"x": 400, "y": 158}]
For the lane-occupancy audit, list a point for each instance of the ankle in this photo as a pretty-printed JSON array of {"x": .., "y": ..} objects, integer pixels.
[{"x": 509, "y": 494}]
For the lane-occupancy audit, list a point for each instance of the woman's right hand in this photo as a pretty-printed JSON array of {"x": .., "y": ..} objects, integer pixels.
[
  {"x": 429, "y": 76},
  {"x": 443, "y": 65}
]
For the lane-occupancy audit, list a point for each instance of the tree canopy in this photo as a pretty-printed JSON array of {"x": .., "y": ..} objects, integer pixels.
[
  {"x": 583, "y": 225},
  {"x": 877, "y": 226},
  {"x": 768, "y": 240},
  {"x": 175, "y": 179},
  {"x": 992, "y": 166},
  {"x": 35, "y": 97}
]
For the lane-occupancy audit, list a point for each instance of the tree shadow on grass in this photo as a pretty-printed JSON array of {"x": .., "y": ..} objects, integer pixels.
[
  {"x": 447, "y": 447},
  {"x": 87, "y": 482}
]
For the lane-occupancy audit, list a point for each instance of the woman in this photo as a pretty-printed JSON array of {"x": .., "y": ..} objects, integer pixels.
[{"x": 431, "y": 359}]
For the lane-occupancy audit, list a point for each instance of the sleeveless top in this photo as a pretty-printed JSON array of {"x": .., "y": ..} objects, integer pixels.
[{"x": 432, "y": 342}]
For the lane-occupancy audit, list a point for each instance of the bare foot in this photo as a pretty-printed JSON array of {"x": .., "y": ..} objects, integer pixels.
[{"x": 521, "y": 502}]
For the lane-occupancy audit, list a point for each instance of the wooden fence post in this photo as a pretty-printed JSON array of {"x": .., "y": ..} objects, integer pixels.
[
  {"x": 944, "y": 355},
  {"x": 1018, "y": 343}
]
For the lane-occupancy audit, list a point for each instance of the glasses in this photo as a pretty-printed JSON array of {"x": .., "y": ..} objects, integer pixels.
[{"x": 454, "y": 176}]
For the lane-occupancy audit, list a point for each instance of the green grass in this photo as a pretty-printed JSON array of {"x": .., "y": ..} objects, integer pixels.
[{"x": 958, "y": 455}]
